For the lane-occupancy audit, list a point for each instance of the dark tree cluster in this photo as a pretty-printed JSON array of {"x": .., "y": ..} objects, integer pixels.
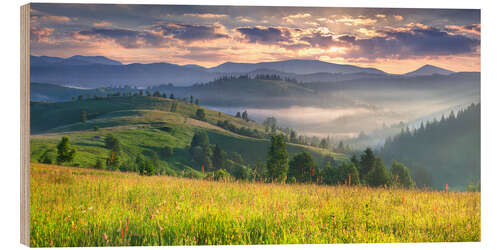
[
  {"x": 445, "y": 151},
  {"x": 212, "y": 158}
]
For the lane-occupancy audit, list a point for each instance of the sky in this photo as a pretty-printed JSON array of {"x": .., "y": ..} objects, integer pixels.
[{"x": 393, "y": 40}]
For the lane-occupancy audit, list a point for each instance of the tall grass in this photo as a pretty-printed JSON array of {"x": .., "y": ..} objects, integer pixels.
[{"x": 80, "y": 207}]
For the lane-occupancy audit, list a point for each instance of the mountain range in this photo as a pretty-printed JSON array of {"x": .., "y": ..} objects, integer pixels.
[{"x": 99, "y": 71}]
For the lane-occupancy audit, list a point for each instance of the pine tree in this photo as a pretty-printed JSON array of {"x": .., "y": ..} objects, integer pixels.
[
  {"x": 367, "y": 163},
  {"x": 378, "y": 175},
  {"x": 83, "y": 116},
  {"x": 301, "y": 167},
  {"x": 245, "y": 116},
  {"x": 218, "y": 158},
  {"x": 277, "y": 159},
  {"x": 64, "y": 151}
]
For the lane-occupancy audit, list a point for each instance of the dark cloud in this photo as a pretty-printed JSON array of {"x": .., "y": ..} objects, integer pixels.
[
  {"x": 474, "y": 27},
  {"x": 264, "y": 35},
  {"x": 126, "y": 37},
  {"x": 320, "y": 40},
  {"x": 191, "y": 33},
  {"x": 410, "y": 43}
]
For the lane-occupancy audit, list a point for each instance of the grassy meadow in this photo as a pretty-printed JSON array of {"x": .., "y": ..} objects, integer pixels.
[{"x": 82, "y": 207}]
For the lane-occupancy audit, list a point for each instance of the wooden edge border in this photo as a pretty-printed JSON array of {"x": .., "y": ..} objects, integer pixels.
[{"x": 25, "y": 124}]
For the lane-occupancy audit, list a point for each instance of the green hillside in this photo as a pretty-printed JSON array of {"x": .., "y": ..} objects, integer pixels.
[
  {"x": 143, "y": 125},
  {"x": 50, "y": 116}
]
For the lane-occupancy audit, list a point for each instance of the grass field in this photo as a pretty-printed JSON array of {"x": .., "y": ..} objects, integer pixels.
[{"x": 82, "y": 207}]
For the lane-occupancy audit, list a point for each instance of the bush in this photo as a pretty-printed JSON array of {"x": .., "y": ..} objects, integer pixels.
[
  {"x": 46, "y": 157},
  {"x": 221, "y": 175},
  {"x": 345, "y": 170},
  {"x": 191, "y": 173},
  {"x": 474, "y": 186},
  {"x": 200, "y": 115},
  {"x": 401, "y": 175},
  {"x": 241, "y": 172},
  {"x": 144, "y": 167},
  {"x": 99, "y": 164}
]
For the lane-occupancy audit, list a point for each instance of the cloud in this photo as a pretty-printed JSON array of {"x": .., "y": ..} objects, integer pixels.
[
  {"x": 125, "y": 37},
  {"x": 265, "y": 35},
  {"x": 206, "y": 15},
  {"x": 191, "y": 33},
  {"x": 380, "y": 16},
  {"x": 55, "y": 18},
  {"x": 474, "y": 29},
  {"x": 102, "y": 24},
  {"x": 41, "y": 35},
  {"x": 410, "y": 42},
  {"x": 350, "y": 21},
  {"x": 398, "y": 18},
  {"x": 292, "y": 18},
  {"x": 368, "y": 32},
  {"x": 325, "y": 20},
  {"x": 244, "y": 19},
  {"x": 319, "y": 40}
]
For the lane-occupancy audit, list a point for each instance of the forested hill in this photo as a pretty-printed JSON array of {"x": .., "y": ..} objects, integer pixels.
[{"x": 441, "y": 152}]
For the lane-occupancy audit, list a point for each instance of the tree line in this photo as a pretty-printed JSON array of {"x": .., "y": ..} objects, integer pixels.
[
  {"x": 213, "y": 162},
  {"x": 439, "y": 152}
]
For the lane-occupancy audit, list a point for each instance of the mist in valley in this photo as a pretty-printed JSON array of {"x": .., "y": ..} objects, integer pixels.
[{"x": 344, "y": 114}]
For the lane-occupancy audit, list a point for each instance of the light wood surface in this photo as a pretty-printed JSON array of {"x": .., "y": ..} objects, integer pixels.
[{"x": 25, "y": 125}]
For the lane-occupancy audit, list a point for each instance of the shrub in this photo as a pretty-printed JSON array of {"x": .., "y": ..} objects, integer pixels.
[
  {"x": 241, "y": 172},
  {"x": 200, "y": 115},
  {"x": 99, "y": 164},
  {"x": 401, "y": 175},
  {"x": 221, "y": 175},
  {"x": 45, "y": 158}
]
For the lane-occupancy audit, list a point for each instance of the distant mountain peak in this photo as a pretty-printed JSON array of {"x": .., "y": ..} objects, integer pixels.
[
  {"x": 428, "y": 69},
  {"x": 296, "y": 66},
  {"x": 73, "y": 60}
]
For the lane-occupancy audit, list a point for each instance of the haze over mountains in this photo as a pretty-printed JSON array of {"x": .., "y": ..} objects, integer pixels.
[{"x": 99, "y": 71}]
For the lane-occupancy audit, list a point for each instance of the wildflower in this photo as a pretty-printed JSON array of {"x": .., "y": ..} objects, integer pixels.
[{"x": 126, "y": 228}]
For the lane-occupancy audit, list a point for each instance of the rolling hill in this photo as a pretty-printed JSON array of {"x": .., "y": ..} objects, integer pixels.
[
  {"x": 144, "y": 125},
  {"x": 294, "y": 66}
]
